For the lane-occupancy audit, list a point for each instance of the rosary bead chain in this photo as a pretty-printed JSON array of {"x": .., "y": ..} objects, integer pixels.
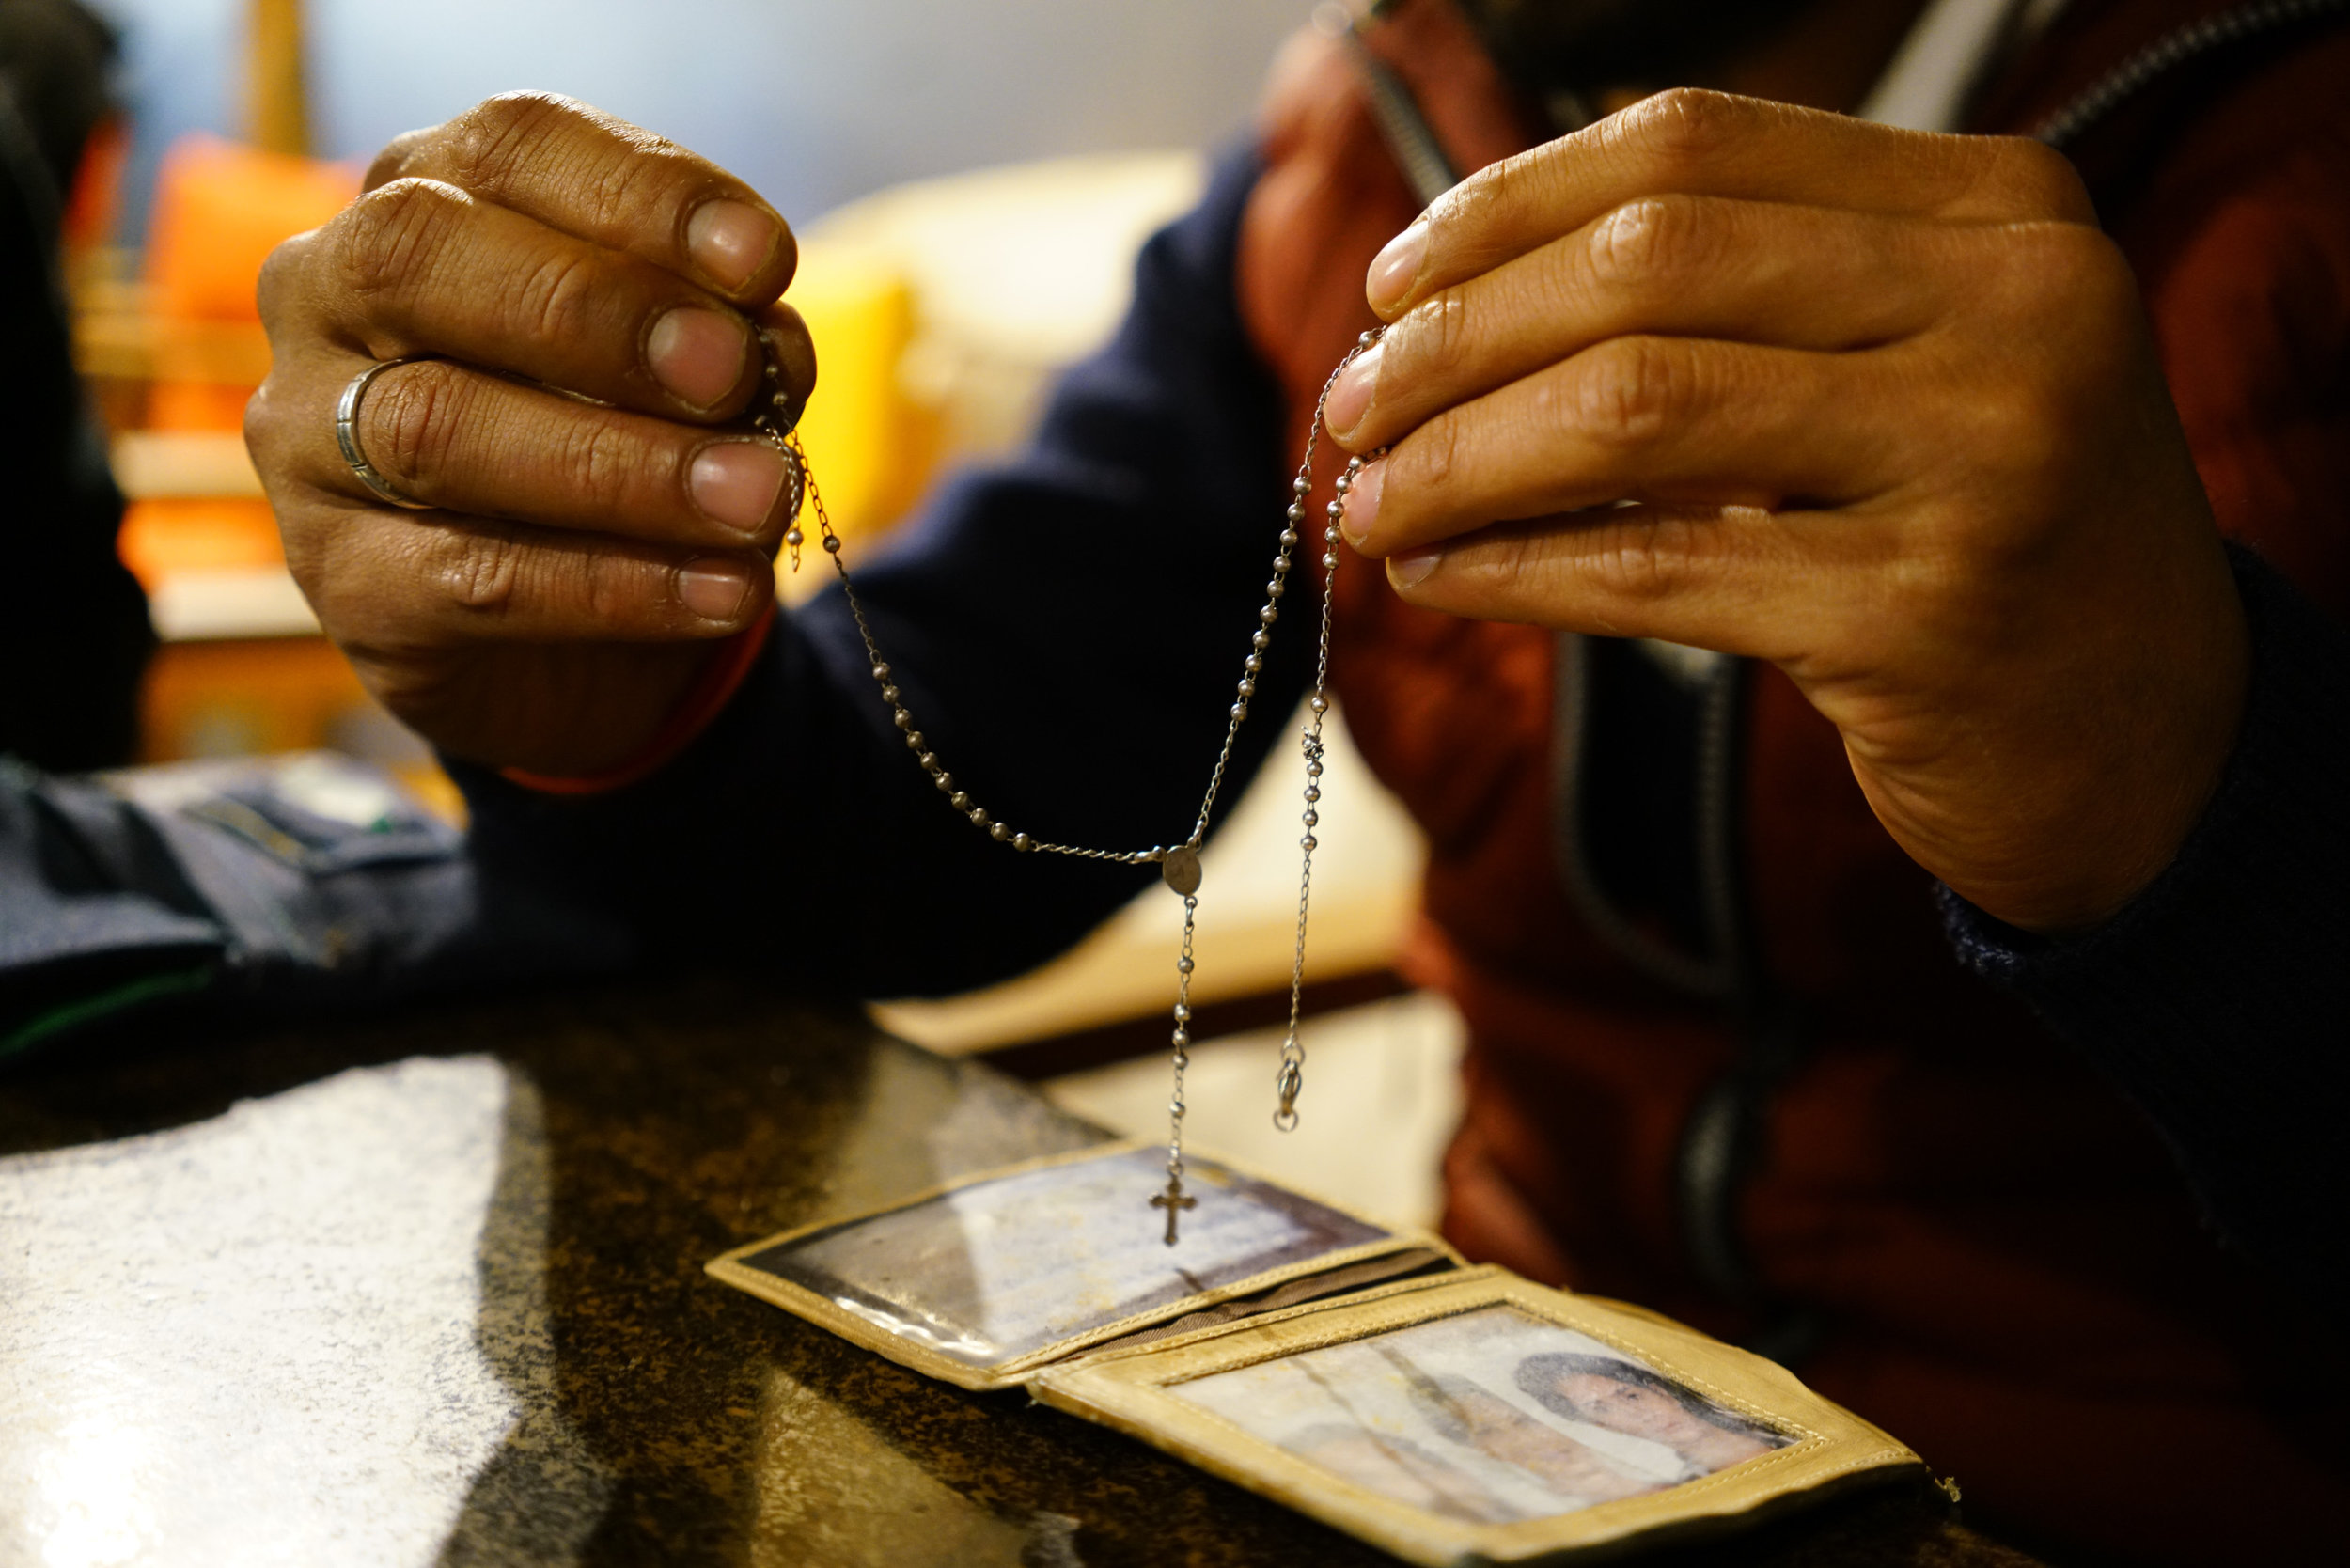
[
  {"x": 1179, "y": 863},
  {"x": 803, "y": 490},
  {"x": 778, "y": 421},
  {"x": 1180, "y": 1037}
]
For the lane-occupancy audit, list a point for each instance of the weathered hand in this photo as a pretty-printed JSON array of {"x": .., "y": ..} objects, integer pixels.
[
  {"x": 587, "y": 554},
  {"x": 1880, "y": 407}
]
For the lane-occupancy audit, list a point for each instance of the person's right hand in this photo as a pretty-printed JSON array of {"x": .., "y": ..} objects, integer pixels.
[{"x": 594, "y": 296}]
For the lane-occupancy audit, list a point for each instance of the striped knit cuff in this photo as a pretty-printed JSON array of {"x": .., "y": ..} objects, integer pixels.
[{"x": 704, "y": 701}]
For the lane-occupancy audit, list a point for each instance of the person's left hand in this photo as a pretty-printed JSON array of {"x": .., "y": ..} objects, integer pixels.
[{"x": 1880, "y": 407}]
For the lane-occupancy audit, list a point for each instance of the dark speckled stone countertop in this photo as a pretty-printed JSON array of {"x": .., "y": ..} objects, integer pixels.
[{"x": 429, "y": 1289}]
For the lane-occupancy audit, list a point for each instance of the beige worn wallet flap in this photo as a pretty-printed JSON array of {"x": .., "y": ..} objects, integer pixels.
[
  {"x": 1355, "y": 1371},
  {"x": 1473, "y": 1416}
]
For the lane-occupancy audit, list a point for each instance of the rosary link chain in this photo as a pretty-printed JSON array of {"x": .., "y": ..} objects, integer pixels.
[{"x": 1288, "y": 1078}]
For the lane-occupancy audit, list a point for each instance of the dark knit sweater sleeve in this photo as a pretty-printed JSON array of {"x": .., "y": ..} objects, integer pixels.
[
  {"x": 73, "y": 630},
  {"x": 1066, "y": 630},
  {"x": 2220, "y": 999}
]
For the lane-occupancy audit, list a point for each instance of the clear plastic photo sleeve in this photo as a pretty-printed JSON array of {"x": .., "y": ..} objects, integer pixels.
[
  {"x": 1472, "y": 1416},
  {"x": 984, "y": 1282}
]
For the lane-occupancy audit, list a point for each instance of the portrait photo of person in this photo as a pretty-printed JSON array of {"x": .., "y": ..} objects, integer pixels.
[
  {"x": 1623, "y": 1396},
  {"x": 1488, "y": 1416}
]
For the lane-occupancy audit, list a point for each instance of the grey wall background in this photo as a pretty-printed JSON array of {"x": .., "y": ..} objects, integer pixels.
[{"x": 814, "y": 101}]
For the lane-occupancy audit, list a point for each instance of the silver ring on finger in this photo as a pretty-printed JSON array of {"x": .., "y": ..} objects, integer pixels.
[{"x": 347, "y": 435}]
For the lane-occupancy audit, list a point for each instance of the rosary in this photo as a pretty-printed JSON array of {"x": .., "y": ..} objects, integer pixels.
[{"x": 1179, "y": 864}]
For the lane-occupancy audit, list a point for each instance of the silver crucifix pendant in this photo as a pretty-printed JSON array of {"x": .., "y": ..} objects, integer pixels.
[{"x": 1172, "y": 1200}]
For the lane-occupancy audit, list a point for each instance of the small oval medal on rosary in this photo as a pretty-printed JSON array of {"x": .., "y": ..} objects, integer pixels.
[
  {"x": 1181, "y": 869},
  {"x": 1179, "y": 865}
]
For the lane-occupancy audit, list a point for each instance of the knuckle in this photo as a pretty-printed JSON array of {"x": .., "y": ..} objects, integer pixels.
[
  {"x": 2025, "y": 435},
  {"x": 1438, "y": 341},
  {"x": 490, "y": 143},
  {"x": 561, "y": 298},
  {"x": 614, "y": 172},
  {"x": 2039, "y": 181},
  {"x": 501, "y": 574},
  {"x": 1436, "y": 450},
  {"x": 401, "y": 156},
  {"x": 2043, "y": 264},
  {"x": 1629, "y": 391},
  {"x": 1639, "y": 558},
  {"x": 1497, "y": 186},
  {"x": 327, "y": 560},
  {"x": 627, "y": 191},
  {"x": 309, "y": 560},
  {"x": 2062, "y": 297},
  {"x": 598, "y": 466},
  {"x": 608, "y": 588},
  {"x": 481, "y": 572},
  {"x": 2004, "y": 425},
  {"x": 309, "y": 564},
  {"x": 382, "y": 239},
  {"x": 1683, "y": 127},
  {"x": 283, "y": 273},
  {"x": 264, "y": 424},
  {"x": 1496, "y": 199},
  {"x": 412, "y": 417},
  {"x": 2086, "y": 262},
  {"x": 1654, "y": 239}
]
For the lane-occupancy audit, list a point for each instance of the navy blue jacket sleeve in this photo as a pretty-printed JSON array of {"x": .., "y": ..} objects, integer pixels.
[
  {"x": 258, "y": 887},
  {"x": 2220, "y": 998},
  {"x": 1067, "y": 630}
]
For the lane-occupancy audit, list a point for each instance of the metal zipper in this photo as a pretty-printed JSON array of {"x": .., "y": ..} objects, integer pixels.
[
  {"x": 1724, "y": 1135},
  {"x": 1722, "y": 1138},
  {"x": 1393, "y": 109},
  {"x": 1721, "y": 972},
  {"x": 2180, "y": 46}
]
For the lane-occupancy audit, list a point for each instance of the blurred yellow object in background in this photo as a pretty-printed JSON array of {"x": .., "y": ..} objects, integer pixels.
[
  {"x": 871, "y": 446},
  {"x": 1015, "y": 273}
]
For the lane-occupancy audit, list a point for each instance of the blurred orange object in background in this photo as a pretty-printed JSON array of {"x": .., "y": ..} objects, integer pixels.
[
  {"x": 171, "y": 536},
  {"x": 220, "y": 208},
  {"x": 241, "y": 669}
]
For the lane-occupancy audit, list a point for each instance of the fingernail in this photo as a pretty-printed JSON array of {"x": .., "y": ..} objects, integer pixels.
[
  {"x": 1350, "y": 397},
  {"x": 697, "y": 353},
  {"x": 1395, "y": 269},
  {"x": 714, "y": 590},
  {"x": 729, "y": 241},
  {"x": 736, "y": 482},
  {"x": 1411, "y": 569},
  {"x": 1362, "y": 503}
]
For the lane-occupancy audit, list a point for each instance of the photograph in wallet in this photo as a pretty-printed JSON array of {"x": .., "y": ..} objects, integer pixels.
[
  {"x": 1474, "y": 1417},
  {"x": 982, "y": 1280},
  {"x": 1490, "y": 1416}
]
